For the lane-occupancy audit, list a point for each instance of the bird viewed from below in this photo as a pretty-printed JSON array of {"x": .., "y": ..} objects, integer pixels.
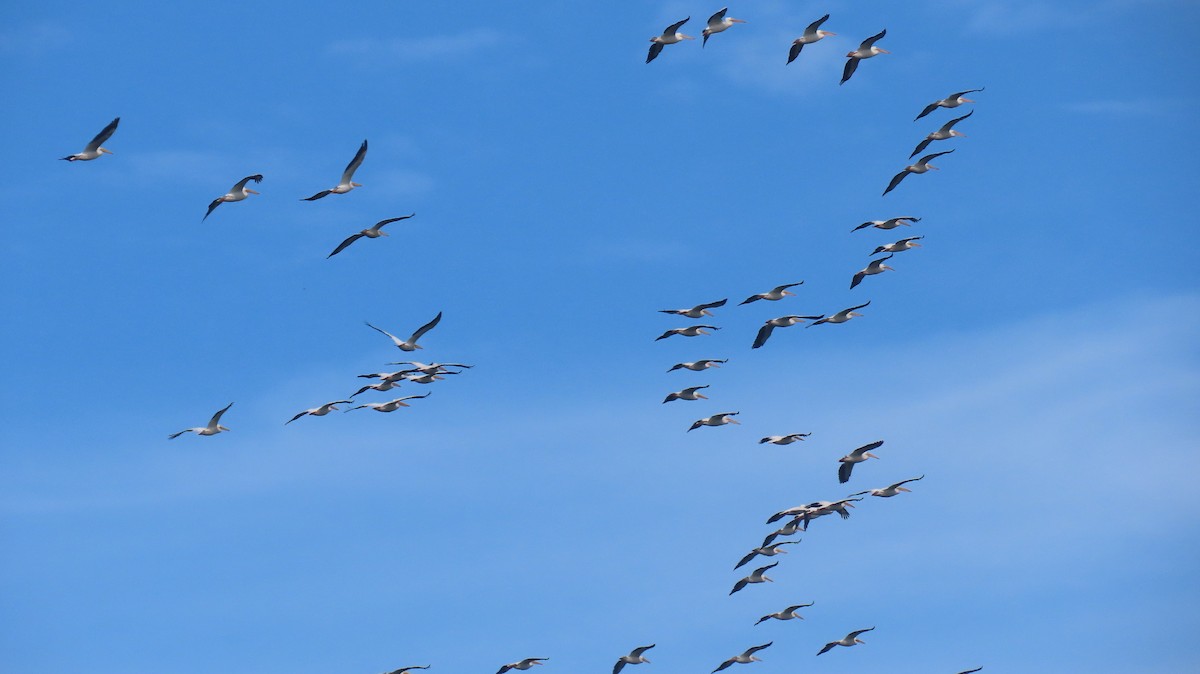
[
  {"x": 890, "y": 223},
  {"x": 522, "y": 665},
  {"x": 890, "y": 490},
  {"x": 857, "y": 456},
  {"x": 404, "y": 670},
  {"x": 410, "y": 344},
  {"x": 690, "y": 331},
  {"x": 214, "y": 425},
  {"x": 717, "y": 23},
  {"x": 757, "y": 576},
  {"x": 238, "y": 192},
  {"x": 715, "y": 420},
  {"x": 669, "y": 36},
  {"x": 776, "y": 293},
  {"x": 944, "y": 133},
  {"x": 373, "y": 232},
  {"x": 698, "y": 311},
  {"x": 848, "y": 640},
  {"x": 698, "y": 365},
  {"x": 899, "y": 246},
  {"x": 789, "y": 613},
  {"x": 689, "y": 393},
  {"x": 952, "y": 101},
  {"x": 93, "y": 150},
  {"x": 921, "y": 166},
  {"x": 320, "y": 412},
  {"x": 841, "y": 316},
  {"x": 635, "y": 657},
  {"x": 390, "y": 406},
  {"x": 811, "y": 34},
  {"x": 747, "y": 656},
  {"x": 784, "y": 439},
  {"x": 347, "y": 183},
  {"x": 865, "y": 51},
  {"x": 764, "y": 333},
  {"x": 876, "y": 266},
  {"x": 766, "y": 551}
]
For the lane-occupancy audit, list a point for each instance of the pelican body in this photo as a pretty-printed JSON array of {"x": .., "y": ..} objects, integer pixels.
[
  {"x": 890, "y": 223},
  {"x": 746, "y": 657},
  {"x": 689, "y": 393},
  {"x": 811, "y": 34},
  {"x": 347, "y": 182},
  {"x": 876, "y": 266},
  {"x": 238, "y": 192},
  {"x": 718, "y": 23},
  {"x": 890, "y": 490},
  {"x": 690, "y": 331},
  {"x": 789, "y": 613},
  {"x": 715, "y": 420},
  {"x": 669, "y": 36},
  {"x": 214, "y": 425},
  {"x": 93, "y": 149},
  {"x": 921, "y": 166},
  {"x": 757, "y": 576},
  {"x": 865, "y": 51},
  {"x": 841, "y": 316},
  {"x": 857, "y": 456},
  {"x": 522, "y": 665},
  {"x": 373, "y": 232},
  {"x": 784, "y": 439},
  {"x": 952, "y": 101},
  {"x": 848, "y": 640},
  {"x": 320, "y": 412},
  {"x": 776, "y": 293},
  {"x": 899, "y": 246},
  {"x": 410, "y": 344},
  {"x": 766, "y": 551},
  {"x": 635, "y": 657},
  {"x": 698, "y": 365},
  {"x": 391, "y": 406},
  {"x": 764, "y": 333},
  {"x": 944, "y": 133}
]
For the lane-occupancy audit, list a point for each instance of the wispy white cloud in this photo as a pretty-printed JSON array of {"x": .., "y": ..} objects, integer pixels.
[{"x": 425, "y": 48}]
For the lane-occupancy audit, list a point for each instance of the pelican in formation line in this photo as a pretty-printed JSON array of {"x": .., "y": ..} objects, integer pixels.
[
  {"x": 347, "y": 183},
  {"x": 238, "y": 192},
  {"x": 214, "y": 425},
  {"x": 93, "y": 150}
]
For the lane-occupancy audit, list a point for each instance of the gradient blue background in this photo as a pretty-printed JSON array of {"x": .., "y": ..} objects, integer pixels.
[{"x": 1037, "y": 360}]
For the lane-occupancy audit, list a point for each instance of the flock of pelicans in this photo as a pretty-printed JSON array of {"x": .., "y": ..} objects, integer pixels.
[{"x": 798, "y": 517}]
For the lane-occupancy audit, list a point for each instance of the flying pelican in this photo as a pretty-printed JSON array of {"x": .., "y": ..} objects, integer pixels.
[
  {"x": 522, "y": 665},
  {"x": 717, "y": 23},
  {"x": 848, "y": 640},
  {"x": 890, "y": 490},
  {"x": 385, "y": 384},
  {"x": 635, "y": 657},
  {"x": 392, "y": 406},
  {"x": 947, "y": 131},
  {"x": 698, "y": 311},
  {"x": 789, "y": 529},
  {"x": 971, "y": 671},
  {"x": 745, "y": 657},
  {"x": 876, "y": 266},
  {"x": 430, "y": 368},
  {"x": 921, "y": 166},
  {"x": 951, "y": 101},
  {"x": 755, "y": 577},
  {"x": 715, "y": 420},
  {"x": 823, "y": 508},
  {"x": 346, "y": 184},
  {"x": 865, "y": 51},
  {"x": 411, "y": 343},
  {"x": 427, "y": 378},
  {"x": 320, "y": 412},
  {"x": 764, "y": 333},
  {"x": 857, "y": 456},
  {"x": 811, "y": 34},
  {"x": 788, "y": 613},
  {"x": 890, "y": 223},
  {"x": 214, "y": 426},
  {"x": 899, "y": 246},
  {"x": 93, "y": 149},
  {"x": 404, "y": 670},
  {"x": 669, "y": 36},
  {"x": 698, "y": 365},
  {"x": 690, "y": 331},
  {"x": 373, "y": 232},
  {"x": 238, "y": 192},
  {"x": 784, "y": 439},
  {"x": 766, "y": 551},
  {"x": 776, "y": 293},
  {"x": 841, "y": 316},
  {"x": 687, "y": 394}
]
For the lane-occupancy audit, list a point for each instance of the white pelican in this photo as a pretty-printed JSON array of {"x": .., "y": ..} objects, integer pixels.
[
  {"x": 390, "y": 406},
  {"x": 784, "y": 439},
  {"x": 890, "y": 490},
  {"x": 522, "y": 665},
  {"x": 776, "y": 293},
  {"x": 746, "y": 657},
  {"x": 921, "y": 166},
  {"x": 687, "y": 394},
  {"x": 405, "y": 670},
  {"x": 411, "y": 343},
  {"x": 876, "y": 266},
  {"x": 717, "y": 23},
  {"x": 393, "y": 377},
  {"x": 865, "y": 51},
  {"x": 971, "y": 671},
  {"x": 766, "y": 551},
  {"x": 669, "y": 36},
  {"x": 427, "y": 378},
  {"x": 93, "y": 149},
  {"x": 811, "y": 34},
  {"x": 698, "y": 365},
  {"x": 430, "y": 368},
  {"x": 788, "y": 613},
  {"x": 214, "y": 426},
  {"x": 238, "y": 192},
  {"x": 690, "y": 331},
  {"x": 790, "y": 529},
  {"x": 764, "y": 333},
  {"x": 373, "y": 232},
  {"x": 857, "y": 456},
  {"x": 890, "y": 223},
  {"x": 946, "y": 132},
  {"x": 320, "y": 412},
  {"x": 755, "y": 577},
  {"x": 848, "y": 640},
  {"x": 841, "y": 316},
  {"x": 347, "y": 183},
  {"x": 715, "y": 420},
  {"x": 385, "y": 384},
  {"x": 698, "y": 311},
  {"x": 899, "y": 246},
  {"x": 635, "y": 657},
  {"x": 951, "y": 101},
  {"x": 823, "y": 508}
]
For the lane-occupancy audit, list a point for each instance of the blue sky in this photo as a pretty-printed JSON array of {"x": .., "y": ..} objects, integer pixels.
[{"x": 1036, "y": 360}]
